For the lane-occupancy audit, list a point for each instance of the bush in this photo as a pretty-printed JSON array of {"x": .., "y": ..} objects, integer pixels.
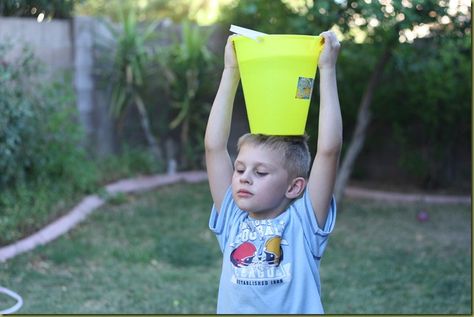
[
  {"x": 59, "y": 136},
  {"x": 426, "y": 102},
  {"x": 16, "y": 117},
  {"x": 130, "y": 162},
  {"x": 40, "y": 135},
  {"x": 44, "y": 168}
]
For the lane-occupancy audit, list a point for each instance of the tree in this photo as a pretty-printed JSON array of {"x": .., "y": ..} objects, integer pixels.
[
  {"x": 436, "y": 75},
  {"x": 49, "y": 9},
  {"x": 128, "y": 73},
  {"x": 187, "y": 63},
  {"x": 384, "y": 24},
  {"x": 175, "y": 10}
]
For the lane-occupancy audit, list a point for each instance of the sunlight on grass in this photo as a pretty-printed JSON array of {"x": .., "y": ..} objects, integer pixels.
[{"x": 155, "y": 254}]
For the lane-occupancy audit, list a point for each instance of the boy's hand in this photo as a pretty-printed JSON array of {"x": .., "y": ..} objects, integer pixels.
[
  {"x": 328, "y": 56},
  {"x": 230, "y": 59}
]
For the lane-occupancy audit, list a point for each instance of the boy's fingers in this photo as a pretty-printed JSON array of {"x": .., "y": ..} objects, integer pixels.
[
  {"x": 331, "y": 38},
  {"x": 229, "y": 39}
]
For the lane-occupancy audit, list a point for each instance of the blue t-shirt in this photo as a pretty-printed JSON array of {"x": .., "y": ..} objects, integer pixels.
[{"x": 270, "y": 266}]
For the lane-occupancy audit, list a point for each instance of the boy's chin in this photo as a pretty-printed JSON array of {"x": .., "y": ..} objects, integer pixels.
[{"x": 243, "y": 206}]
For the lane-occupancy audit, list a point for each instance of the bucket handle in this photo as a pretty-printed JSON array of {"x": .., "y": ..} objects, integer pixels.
[{"x": 254, "y": 35}]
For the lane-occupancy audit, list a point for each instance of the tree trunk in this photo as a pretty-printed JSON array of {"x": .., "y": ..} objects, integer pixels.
[
  {"x": 145, "y": 123},
  {"x": 185, "y": 142},
  {"x": 360, "y": 131}
]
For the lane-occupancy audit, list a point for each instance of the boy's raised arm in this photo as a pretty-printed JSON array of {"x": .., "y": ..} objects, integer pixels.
[
  {"x": 218, "y": 162},
  {"x": 323, "y": 172}
]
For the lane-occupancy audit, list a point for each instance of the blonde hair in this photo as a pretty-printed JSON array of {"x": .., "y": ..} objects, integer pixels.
[{"x": 294, "y": 150}]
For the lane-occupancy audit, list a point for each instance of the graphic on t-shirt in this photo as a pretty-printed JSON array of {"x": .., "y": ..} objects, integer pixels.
[
  {"x": 243, "y": 254},
  {"x": 273, "y": 251},
  {"x": 246, "y": 253},
  {"x": 257, "y": 254}
]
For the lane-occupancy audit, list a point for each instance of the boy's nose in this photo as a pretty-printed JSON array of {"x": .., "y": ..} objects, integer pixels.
[{"x": 245, "y": 178}]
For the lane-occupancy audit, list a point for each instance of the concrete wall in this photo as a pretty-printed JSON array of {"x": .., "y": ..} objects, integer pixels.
[
  {"x": 51, "y": 41},
  {"x": 91, "y": 101},
  {"x": 71, "y": 45},
  {"x": 68, "y": 45}
]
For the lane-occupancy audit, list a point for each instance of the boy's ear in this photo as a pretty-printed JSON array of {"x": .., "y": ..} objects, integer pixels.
[{"x": 296, "y": 187}]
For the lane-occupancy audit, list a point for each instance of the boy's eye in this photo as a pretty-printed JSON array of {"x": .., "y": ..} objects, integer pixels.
[
  {"x": 259, "y": 173},
  {"x": 239, "y": 171}
]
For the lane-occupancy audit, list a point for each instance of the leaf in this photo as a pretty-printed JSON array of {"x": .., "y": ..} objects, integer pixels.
[
  {"x": 118, "y": 101},
  {"x": 182, "y": 114}
]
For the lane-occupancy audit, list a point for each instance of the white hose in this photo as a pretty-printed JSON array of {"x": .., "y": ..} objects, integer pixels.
[{"x": 19, "y": 301}]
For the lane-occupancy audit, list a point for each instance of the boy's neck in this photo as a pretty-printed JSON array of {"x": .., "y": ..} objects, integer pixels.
[{"x": 271, "y": 214}]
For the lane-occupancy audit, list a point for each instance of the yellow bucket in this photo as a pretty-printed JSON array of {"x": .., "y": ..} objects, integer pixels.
[{"x": 277, "y": 73}]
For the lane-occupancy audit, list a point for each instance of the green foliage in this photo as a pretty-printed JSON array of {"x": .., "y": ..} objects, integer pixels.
[
  {"x": 130, "y": 162},
  {"x": 16, "y": 117},
  {"x": 264, "y": 16},
  {"x": 188, "y": 64},
  {"x": 176, "y": 10},
  {"x": 129, "y": 69},
  {"x": 42, "y": 162},
  {"x": 39, "y": 136},
  {"x": 60, "y": 9},
  {"x": 27, "y": 207},
  {"x": 177, "y": 69},
  {"x": 188, "y": 61},
  {"x": 128, "y": 73},
  {"x": 391, "y": 17},
  {"x": 428, "y": 105},
  {"x": 62, "y": 135}
]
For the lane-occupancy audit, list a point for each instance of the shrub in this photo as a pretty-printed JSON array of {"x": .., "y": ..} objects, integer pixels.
[
  {"x": 16, "y": 117},
  {"x": 44, "y": 168},
  {"x": 39, "y": 136},
  {"x": 427, "y": 104}
]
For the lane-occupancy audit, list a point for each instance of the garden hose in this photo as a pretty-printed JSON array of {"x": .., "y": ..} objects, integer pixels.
[{"x": 14, "y": 308}]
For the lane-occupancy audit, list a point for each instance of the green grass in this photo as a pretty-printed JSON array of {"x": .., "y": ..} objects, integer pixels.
[
  {"x": 381, "y": 260},
  {"x": 154, "y": 254},
  {"x": 27, "y": 206}
]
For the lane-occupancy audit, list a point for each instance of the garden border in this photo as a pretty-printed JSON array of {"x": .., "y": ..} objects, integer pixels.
[{"x": 92, "y": 202}]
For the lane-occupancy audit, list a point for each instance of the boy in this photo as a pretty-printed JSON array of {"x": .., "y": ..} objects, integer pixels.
[{"x": 271, "y": 217}]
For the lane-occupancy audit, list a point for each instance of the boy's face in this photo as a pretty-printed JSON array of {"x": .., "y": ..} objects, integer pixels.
[{"x": 260, "y": 182}]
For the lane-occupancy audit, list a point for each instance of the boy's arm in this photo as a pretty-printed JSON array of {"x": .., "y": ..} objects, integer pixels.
[
  {"x": 323, "y": 172},
  {"x": 218, "y": 162}
]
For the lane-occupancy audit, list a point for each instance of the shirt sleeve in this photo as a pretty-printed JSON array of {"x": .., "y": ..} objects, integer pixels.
[
  {"x": 316, "y": 237},
  {"x": 220, "y": 223}
]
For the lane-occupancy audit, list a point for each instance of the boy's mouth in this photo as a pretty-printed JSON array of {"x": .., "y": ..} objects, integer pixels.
[{"x": 244, "y": 193}]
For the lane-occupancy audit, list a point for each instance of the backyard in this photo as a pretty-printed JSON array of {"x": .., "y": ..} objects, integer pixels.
[
  {"x": 93, "y": 92},
  {"x": 153, "y": 253}
]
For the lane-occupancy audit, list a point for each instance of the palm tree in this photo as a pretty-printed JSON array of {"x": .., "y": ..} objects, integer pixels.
[
  {"x": 131, "y": 62},
  {"x": 187, "y": 67}
]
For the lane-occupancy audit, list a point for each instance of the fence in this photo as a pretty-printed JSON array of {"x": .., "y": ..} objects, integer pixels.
[
  {"x": 67, "y": 45},
  {"x": 70, "y": 45}
]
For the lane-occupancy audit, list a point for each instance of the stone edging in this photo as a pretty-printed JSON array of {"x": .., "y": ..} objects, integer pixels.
[
  {"x": 356, "y": 192},
  {"x": 91, "y": 203},
  {"x": 140, "y": 184}
]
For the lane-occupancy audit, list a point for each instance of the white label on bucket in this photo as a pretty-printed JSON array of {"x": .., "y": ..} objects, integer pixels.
[{"x": 304, "y": 88}]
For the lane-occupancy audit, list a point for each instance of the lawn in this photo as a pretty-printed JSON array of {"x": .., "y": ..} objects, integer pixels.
[{"x": 153, "y": 253}]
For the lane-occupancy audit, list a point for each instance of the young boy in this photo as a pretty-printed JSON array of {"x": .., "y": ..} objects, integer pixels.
[{"x": 271, "y": 216}]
